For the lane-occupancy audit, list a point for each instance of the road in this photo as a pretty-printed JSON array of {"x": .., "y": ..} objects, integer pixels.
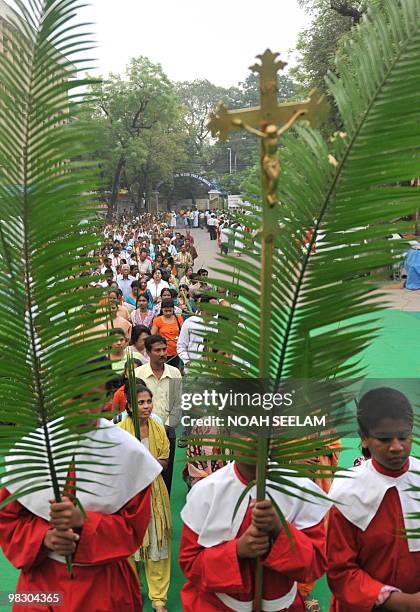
[
  {"x": 207, "y": 252},
  {"x": 397, "y": 298}
]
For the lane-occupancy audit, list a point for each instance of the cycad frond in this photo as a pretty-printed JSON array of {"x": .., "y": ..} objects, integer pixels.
[
  {"x": 48, "y": 319},
  {"x": 347, "y": 193}
]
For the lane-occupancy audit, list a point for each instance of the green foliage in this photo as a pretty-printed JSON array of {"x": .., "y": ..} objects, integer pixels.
[
  {"x": 232, "y": 183},
  {"x": 149, "y": 128},
  {"x": 47, "y": 315},
  {"x": 318, "y": 44},
  {"x": 139, "y": 117},
  {"x": 199, "y": 97},
  {"x": 249, "y": 90},
  {"x": 347, "y": 189},
  {"x": 242, "y": 144}
]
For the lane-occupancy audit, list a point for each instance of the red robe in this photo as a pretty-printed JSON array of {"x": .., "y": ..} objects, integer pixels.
[
  {"x": 360, "y": 562},
  {"x": 218, "y": 568},
  {"x": 107, "y": 581}
]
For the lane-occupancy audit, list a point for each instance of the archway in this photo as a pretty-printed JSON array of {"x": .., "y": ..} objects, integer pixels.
[{"x": 188, "y": 190}]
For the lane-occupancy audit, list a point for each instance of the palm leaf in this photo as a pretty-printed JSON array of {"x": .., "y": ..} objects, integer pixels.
[
  {"x": 349, "y": 190},
  {"x": 133, "y": 395},
  {"x": 312, "y": 312},
  {"x": 47, "y": 320}
]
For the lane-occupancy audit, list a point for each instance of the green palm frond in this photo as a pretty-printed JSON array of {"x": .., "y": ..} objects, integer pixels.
[
  {"x": 50, "y": 329},
  {"x": 131, "y": 376},
  {"x": 349, "y": 191}
]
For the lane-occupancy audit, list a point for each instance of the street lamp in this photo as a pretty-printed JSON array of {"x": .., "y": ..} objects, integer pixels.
[{"x": 230, "y": 160}]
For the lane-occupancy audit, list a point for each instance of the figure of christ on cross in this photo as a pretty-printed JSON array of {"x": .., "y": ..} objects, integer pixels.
[{"x": 269, "y": 121}]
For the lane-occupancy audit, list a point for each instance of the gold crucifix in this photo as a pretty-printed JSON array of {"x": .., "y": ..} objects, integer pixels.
[{"x": 269, "y": 121}]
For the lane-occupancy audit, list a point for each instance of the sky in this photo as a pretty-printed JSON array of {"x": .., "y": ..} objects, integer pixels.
[{"x": 212, "y": 39}]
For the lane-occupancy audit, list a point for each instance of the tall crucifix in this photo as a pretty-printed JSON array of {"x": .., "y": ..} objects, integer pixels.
[{"x": 269, "y": 122}]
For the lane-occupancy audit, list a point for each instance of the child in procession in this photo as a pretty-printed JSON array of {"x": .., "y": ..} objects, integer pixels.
[
  {"x": 371, "y": 564},
  {"x": 218, "y": 553},
  {"x": 36, "y": 533}
]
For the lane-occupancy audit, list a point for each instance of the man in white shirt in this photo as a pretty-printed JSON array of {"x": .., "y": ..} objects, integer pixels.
[
  {"x": 165, "y": 382},
  {"x": 212, "y": 224},
  {"x": 190, "y": 341},
  {"x": 225, "y": 233},
  {"x": 144, "y": 263},
  {"x": 124, "y": 280},
  {"x": 109, "y": 278},
  {"x": 207, "y": 217},
  {"x": 106, "y": 265}
]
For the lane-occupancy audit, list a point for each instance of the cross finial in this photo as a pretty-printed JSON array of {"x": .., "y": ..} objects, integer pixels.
[
  {"x": 268, "y": 60},
  {"x": 224, "y": 121},
  {"x": 268, "y": 70}
]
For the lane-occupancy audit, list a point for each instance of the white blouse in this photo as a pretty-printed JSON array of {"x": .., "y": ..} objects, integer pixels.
[{"x": 155, "y": 289}]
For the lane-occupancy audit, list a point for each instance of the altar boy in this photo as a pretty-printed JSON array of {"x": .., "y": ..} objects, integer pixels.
[
  {"x": 36, "y": 534},
  {"x": 370, "y": 562},
  {"x": 218, "y": 555}
]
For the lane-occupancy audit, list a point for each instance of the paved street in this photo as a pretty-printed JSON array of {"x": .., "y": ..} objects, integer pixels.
[
  {"x": 398, "y": 299},
  {"x": 207, "y": 251},
  {"x": 402, "y": 299}
]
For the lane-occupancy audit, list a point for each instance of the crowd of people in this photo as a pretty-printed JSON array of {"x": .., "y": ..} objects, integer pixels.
[{"x": 156, "y": 293}]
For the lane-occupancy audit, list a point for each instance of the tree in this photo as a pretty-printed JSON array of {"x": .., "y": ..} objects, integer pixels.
[
  {"x": 243, "y": 152},
  {"x": 199, "y": 98},
  {"x": 249, "y": 90},
  {"x": 347, "y": 9},
  {"x": 128, "y": 108},
  {"x": 318, "y": 44},
  {"x": 153, "y": 159}
]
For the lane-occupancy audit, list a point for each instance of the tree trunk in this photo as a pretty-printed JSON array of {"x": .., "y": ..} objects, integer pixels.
[
  {"x": 138, "y": 208},
  {"x": 115, "y": 188},
  {"x": 342, "y": 7}
]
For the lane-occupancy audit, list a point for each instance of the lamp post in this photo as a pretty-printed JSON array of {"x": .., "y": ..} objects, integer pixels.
[{"x": 230, "y": 160}]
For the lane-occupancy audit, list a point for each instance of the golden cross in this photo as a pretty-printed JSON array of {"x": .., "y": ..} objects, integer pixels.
[
  {"x": 223, "y": 121},
  {"x": 268, "y": 121}
]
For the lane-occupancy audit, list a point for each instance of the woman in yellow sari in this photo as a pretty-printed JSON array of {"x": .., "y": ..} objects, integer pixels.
[{"x": 156, "y": 546}]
